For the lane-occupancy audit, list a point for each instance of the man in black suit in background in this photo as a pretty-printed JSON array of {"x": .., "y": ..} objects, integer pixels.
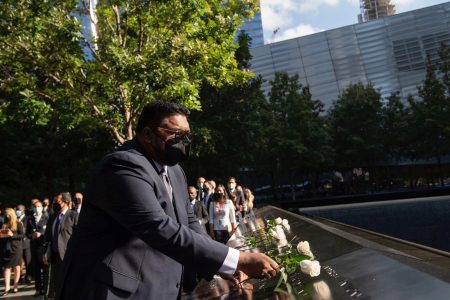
[
  {"x": 26, "y": 258},
  {"x": 198, "y": 207},
  {"x": 137, "y": 231},
  {"x": 57, "y": 234}
]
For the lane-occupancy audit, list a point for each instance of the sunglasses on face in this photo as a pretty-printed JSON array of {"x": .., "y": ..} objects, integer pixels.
[{"x": 185, "y": 136}]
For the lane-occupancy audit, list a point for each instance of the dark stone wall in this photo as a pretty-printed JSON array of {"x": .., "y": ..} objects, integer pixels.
[{"x": 424, "y": 221}]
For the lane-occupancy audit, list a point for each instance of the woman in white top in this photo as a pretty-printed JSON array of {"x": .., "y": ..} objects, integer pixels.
[{"x": 222, "y": 219}]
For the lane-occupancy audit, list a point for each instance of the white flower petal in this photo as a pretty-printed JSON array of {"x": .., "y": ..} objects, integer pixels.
[{"x": 312, "y": 268}]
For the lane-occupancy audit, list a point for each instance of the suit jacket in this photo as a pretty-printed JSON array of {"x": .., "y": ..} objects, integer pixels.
[
  {"x": 132, "y": 241},
  {"x": 207, "y": 200},
  {"x": 200, "y": 210},
  {"x": 65, "y": 231},
  {"x": 26, "y": 240},
  {"x": 33, "y": 226}
]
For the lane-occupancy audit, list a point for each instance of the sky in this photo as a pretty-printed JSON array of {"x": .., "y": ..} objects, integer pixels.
[{"x": 302, "y": 17}]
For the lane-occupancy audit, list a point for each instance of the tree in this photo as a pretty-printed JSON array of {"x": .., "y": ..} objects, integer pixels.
[
  {"x": 295, "y": 137},
  {"x": 138, "y": 51},
  {"x": 396, "y": 131},
  {"x": 44, "y": 160},
  {"x": 229, "y": 127},
  {"x": 355, "y": 126},
  {"x": 430, "y": 118}
]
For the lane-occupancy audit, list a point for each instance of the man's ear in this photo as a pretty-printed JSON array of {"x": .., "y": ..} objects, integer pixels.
[{"x": 147, "y": 134}]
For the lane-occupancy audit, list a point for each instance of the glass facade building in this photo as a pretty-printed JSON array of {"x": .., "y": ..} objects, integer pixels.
[
  {"x": 254, "y": 29},
  {"x": 390, "y": 53}
]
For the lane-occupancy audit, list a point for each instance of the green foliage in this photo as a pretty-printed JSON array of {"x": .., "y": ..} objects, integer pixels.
[
  {"x": 296, "y": 133},
  {"x": 229, "y": 127},
  {"x": 243, "y": 55},
  {"x": 43, "y": 160},
  {"x": 355, "y": 123},
  {"x": 138, "y": 51},
  {"x": 429, "y": 118},
  {"x": 396, "y": 131}
]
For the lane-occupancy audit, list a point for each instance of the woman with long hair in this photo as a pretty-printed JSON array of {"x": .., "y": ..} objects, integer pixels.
[
  {"x": 249, "y": 201},
  {"x": 222, "y": 219},
  {"x": 11, "y": 236}
]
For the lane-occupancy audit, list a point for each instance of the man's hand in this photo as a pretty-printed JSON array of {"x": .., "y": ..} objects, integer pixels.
[{"x": 257, "y": 265}]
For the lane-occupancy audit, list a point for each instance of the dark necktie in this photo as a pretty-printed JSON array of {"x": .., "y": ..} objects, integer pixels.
[{"x": 56, "y": 233}]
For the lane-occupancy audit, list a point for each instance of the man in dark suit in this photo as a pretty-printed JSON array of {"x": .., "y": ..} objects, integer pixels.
[
  {"x": 200, "y": 191},
  {"x": 57, "y": 234},
  {"x": 137, "y": 231},
  {"x": 26, "y": 258},
  {"x": 197, "y": 206}
]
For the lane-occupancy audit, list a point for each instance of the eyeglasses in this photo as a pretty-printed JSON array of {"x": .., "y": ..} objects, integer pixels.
[{"x": 185, "y": 136}]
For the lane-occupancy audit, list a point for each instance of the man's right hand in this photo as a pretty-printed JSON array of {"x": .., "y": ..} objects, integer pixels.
[{"x": 257, "y": 265}]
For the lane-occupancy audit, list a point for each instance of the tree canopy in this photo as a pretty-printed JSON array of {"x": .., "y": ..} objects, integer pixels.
[{"x": 135, "y": 52}]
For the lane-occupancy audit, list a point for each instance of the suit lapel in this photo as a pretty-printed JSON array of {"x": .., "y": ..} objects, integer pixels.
[
  {"x": 169, "y": 209},
  {"x": 179, "y": 199}
]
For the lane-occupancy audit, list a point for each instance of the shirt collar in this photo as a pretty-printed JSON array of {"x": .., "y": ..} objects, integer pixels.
[
  {"x": 64, "y": 210},
  {"x": 161, "y": 168}
]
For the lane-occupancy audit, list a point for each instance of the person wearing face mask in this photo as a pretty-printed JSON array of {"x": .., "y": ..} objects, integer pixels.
[
  {"x": 200, "y": 186},
  {"x": 207, "y": 199},
  {"x": 26, "y": 255},
  {"x": 240, "y": 200},
  {"x": 198, "y": 207},
  {"x": 11, "y": 236},
  {"x": 222, "y": 219},
  {"x": 78, "y": 201},
  {"x": 48, "y": 210},
  {"x": 57, "y": 234},
  {"x": 138, "y": 232},
  {"x": 35, "y": 230}
]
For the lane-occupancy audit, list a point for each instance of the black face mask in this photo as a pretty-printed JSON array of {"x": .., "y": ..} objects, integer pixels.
[
  {"x": 76, "y": 201},
  {"x": 176, "y": 151},
  {"x": 56, "y": 207}
]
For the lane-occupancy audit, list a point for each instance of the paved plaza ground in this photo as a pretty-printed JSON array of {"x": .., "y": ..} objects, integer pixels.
[{"x": 26, "y": 292}]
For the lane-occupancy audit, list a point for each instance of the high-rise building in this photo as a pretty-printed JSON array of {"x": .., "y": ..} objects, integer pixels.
[
  {"x": 88, "y": 19},
  {"x": 374, "y": 9},
  {"x": 253, "y": 27},
  {"x": 390, "y": 53}
]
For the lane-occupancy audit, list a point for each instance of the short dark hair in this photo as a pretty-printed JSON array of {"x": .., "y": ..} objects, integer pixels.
[
  {"x": 154, "y": 112},
  {"x": 66, "y": 197}
]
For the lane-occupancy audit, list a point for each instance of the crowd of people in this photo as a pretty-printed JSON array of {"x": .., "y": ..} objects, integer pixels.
[
  {"x": 137, "y": 231},
  {"x": 33, "y": 241},
  {"x": 220, "y": 208}
]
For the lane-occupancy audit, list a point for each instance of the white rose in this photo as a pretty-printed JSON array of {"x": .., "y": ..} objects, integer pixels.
[
  {"x": 280, "y": 232},
  {"x": 303, "y": 248},
  {"x": 321, "y": 291},
  {"x": 287, "y": 227},
  {"x": 273, "y": 233},
  {"x": 310, "y": 267},
  {"x": 285, "y": 222},
  {"x": 282, "y": 243},
  {"x": 278, "y": 221}
]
